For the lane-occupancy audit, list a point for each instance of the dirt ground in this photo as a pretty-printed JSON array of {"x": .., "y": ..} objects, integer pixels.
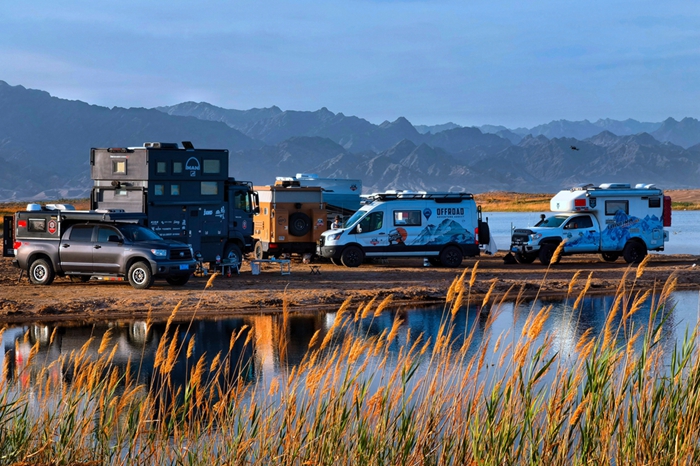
[{"x": 406, "y": 279}]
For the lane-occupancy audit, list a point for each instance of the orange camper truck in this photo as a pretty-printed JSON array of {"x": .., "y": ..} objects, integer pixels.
[{"x": 290, "y": 221}]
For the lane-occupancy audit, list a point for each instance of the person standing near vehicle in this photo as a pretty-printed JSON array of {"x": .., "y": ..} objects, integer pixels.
[{"x": 336, "y": 223}]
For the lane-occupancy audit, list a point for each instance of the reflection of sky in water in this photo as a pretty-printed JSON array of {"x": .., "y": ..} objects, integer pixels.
[
  {"x": 262, "y": 357},
  {"x": 684, "y": 235}
]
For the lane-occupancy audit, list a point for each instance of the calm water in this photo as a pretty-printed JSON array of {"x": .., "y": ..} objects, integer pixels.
[
  {"x": 259, "y": 361},
  {"x": 684, "y": 232}
]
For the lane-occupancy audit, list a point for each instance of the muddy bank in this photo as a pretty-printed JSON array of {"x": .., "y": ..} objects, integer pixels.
[{"x": 406, "y": 279}]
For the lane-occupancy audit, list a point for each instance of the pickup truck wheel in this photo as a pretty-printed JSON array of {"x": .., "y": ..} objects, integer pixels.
[
  {"x": 610, "y": 256},
  {"x": 451, "y": 257},
  {"x": 434, "y": 261},
  {"x": 140, "y": 276},
  {"x": 178, "y": 281},
  {"x": 634, "y": 252},
  {"x": 41, "y": 272},
  {"x": 546, "y": 253},
  {"x": 525, "y": 258},
  {"x": 352, "y": 256}
]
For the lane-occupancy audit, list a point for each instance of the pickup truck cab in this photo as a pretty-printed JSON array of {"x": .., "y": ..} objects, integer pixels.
[
  {"x": 611, "y": 219},
  {"x": 50, "y": 242}
]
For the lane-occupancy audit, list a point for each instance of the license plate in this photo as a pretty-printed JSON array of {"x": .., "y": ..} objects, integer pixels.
[
  {"x": 514, "y": 249},
  {"x": 184, "y": 267}
]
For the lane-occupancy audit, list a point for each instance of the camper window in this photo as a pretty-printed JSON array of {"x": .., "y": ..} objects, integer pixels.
[
  {"x": 654, "y": 202},
  {"x": 177, "y": 167},
  {"x": 36, "y": 224},
  {"x": 159, "y": 189},
  {"x": 119, "y": 167},
  {"x": 161, "y": 167},
  {"x": 174, "y": 189},
  {"x": 407, "y": 218},
  {"x": 209, "y": 188},
  {"x": 210, "y": 166},
  {"x": 612, "y": 207}
]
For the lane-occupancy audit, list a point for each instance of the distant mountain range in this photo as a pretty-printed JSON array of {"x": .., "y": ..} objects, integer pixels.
[{"x": 45, "y": 143}]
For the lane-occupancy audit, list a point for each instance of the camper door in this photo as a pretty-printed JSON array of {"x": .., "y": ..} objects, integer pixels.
[{"x": 371, "y": 233}]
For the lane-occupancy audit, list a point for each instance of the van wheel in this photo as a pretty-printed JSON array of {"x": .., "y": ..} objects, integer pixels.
[
  {"x": 451, "y": 256},
  {"x": 546, "y": 253},
  {"x": 610, "y": 256},
  {"x": 352, "y": 256},
  {"x": 634, "y": 252},
  {"x": 335, "y": 261},
  {"x": 41, "y": 272},
  {"x": 140, "y": 276},
  {"x": 179, "y": 280},
  {"x": 525, "y": 258}
]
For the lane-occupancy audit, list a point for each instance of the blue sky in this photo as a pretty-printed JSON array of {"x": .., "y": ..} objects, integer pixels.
[{"x": 472, "y": 62}]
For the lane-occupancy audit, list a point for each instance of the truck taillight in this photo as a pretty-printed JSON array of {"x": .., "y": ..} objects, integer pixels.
[
  {"x": 22, "y": 223},
  {"x": 272, "y": 246},
  {"x": 476, "y": 235},
  {"x": 16, "y": 244}
]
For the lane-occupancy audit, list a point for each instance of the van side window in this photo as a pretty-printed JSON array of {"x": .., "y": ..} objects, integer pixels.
[
  {"x": 81, "y": 233},
  {"x": 612, "y": 207},
  {"x": 372, "y": 222},
  {"x": 407, "y": 218}
]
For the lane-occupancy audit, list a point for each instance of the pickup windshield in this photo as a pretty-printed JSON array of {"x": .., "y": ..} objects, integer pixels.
[
  {"x": 553, "y": 221},
  {"x": 135, "y": 233}
]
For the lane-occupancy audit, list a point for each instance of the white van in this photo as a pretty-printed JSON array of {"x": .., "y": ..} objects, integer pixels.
[{"x": 444, "y": 227}]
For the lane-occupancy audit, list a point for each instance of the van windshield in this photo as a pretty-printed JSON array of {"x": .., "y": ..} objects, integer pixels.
[
  {"x": 355, "y": 217},
  {"x": 136, "y": 233},
  {"x": 553, "y": 221}
]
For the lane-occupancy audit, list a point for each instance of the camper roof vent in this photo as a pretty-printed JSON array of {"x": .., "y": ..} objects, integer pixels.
[
  {"x": 644, "y": 186},
  {"x": 615, "y": 186},
  {"x": 160, "y": 145},
  {"x": 582, "y": 187},
  {"x": 33, "y": 207},
  {"x": 60, "y": 207},
  {"x": 307, "y": 176}
]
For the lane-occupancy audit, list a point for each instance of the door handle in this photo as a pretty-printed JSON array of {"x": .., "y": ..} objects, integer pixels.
[
  {"x": 65, "y": 245},
  {"x": 97, "y": 246},
  {"x": 382, "y": 233}
]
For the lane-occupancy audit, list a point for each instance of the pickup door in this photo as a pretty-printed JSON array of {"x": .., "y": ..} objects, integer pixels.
[
  {"x": 581, "y": 234},
  {"x": 75, "y": 251}
]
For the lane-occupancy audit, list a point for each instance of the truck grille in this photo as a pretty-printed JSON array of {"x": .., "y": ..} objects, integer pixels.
[
  {"x": 320, "y": 241},
  {"x": 179, "y": 254},
  {"x": 521, "y": 236}
]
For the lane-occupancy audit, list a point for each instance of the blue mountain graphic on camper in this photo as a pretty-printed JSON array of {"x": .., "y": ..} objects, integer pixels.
[
  {"x": 447, "y": 231},
  {"x": 616, "y": 234}
]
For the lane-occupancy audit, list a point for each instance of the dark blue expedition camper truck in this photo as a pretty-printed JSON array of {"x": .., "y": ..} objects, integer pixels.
[{"x": 186, "y": 194}]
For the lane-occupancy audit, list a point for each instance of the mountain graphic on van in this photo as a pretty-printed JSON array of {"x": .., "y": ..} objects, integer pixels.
[{"x": 446, "y": 232}]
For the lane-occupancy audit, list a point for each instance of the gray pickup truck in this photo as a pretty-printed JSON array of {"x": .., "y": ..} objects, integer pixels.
[{"x": 59, "y": 241}]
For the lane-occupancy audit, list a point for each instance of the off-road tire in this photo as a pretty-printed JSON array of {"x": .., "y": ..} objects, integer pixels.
[
  {"x": 484, "y": 233},
  {"x": 634, "y": 252},
  {"x": 299, "y": 224},
  {"x": 140, "y": 276},
  {"x": 335, "y": 261},
  {"x": 610, "y": 256},
  {"x": 451, "y": 256},
  {"x": 525, "y": 258},
  {"x": 179, "y": 280},
  {"x": 435, "y": 261},
  {"x": 546, "y": 253},
  {"x": 233, "y": 253},
  {"x": 41, "y": 272},
  {"x": 258, "y": 252},
  {"x": 352, "y": 256}
]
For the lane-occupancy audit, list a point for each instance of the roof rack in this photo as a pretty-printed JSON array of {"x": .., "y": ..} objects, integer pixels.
[{"x": 409, "y": 195}]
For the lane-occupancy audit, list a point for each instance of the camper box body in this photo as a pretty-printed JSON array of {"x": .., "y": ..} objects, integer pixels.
[
  {"x": 612, "y": 219},
  {"x": 290, "y": 220},
  {"x": 443, "y": 227},
  {"x": 186, "y": 194}
]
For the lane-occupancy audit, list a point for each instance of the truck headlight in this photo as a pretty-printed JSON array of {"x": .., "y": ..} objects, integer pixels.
[
  {"x": 159, "y": 252},
  {"x": 535, "y": 236}
]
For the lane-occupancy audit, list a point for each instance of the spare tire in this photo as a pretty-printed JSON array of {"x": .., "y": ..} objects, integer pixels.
[
  {"x": 484, "y": 233},
  {"x": 299, "y": 224}
]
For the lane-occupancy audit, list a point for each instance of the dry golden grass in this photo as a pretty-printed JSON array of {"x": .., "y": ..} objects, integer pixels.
[{"x": 500, "y": 201}]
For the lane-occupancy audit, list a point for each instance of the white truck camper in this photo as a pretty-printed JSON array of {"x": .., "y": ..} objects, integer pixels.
[
  {"x": 612, "y": 219},
  {"x": 442, "y": 227}
]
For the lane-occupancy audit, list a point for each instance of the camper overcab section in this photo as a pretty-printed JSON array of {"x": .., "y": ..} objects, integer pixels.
[
  {"x": 612, "y": 219},
  {"x": 444, "y": 227},
  {"x": 186, "y": 194}
]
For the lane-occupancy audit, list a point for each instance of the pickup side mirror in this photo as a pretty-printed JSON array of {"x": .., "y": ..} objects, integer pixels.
[{"x": 114, "y": 239}]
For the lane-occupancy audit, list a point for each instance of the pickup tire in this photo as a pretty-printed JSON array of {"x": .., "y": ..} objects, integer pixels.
[
  {"x": 41, "y": 272},
  {"x": 179, "y": 280},
  {"x": 434, "y": 261},
  {"x": 352, "y": 256},
  {"x": 451, "y": 256},
  {"x": 525, "y": 258},
  {"x": 140, "y": 276},
  {"x": 546, "y": 253},
  {"x": 610, "y": 256},
  {"x": 634, "y": 252}
]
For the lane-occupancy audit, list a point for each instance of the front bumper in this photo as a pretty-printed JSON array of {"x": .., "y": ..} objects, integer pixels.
[
  {"x": 329, "y": 252},
  {"x": 524, "y": 248},
  {"x": 173, "y": 268}
]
